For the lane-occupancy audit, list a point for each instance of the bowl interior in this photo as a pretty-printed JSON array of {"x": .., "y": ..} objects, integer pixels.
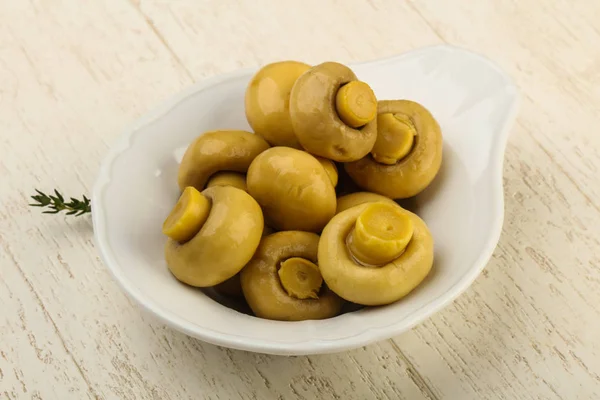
[{"x": 473, "y": 101}]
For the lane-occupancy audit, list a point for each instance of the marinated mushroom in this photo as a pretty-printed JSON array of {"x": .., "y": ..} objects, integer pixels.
[
  {"x": 407, "y": 155},
  {"x": 215, "y": 151},
  {"x": 204, "y": 227},
  {"x": 267, "y": 102},
  {"x": 333, "y": 113},
  {"x": 375, "y": 253},
  {"x": 292, "y": 188},
  {"x": 354, "y": 199},
  {"x": 283, "y": 280}
]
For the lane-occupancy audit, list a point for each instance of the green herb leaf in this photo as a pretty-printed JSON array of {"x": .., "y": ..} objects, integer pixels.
[{"x": 56, "y": 203}]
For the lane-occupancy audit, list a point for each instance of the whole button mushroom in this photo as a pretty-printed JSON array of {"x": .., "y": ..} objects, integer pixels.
[
  {"x": 204, "y": 227},
  {"x": 375, "y": 253},
  {"x": 333, "y": 113},
  {"x": 293, "y": 189},
  {"x": 283, "y": 280},
  {"x": 407, "y": 154},
  {"x": 217, "y": 151},
  {"x": 267, "y": 102}
]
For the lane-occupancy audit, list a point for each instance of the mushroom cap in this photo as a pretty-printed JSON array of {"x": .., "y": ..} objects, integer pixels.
[
  {"x": 316, "y": 123},
  {"x": 292, "y": 188},
  {"x": 263, "y": 290},
  {"x": 413, "y": 173},
  {"x": 373, "y": 286},
  {"x": 267, "y": 102},
  {"x": 353, "y": 199},
  {"x": 235, "y": 222},
  {"x": 220, "y": 150}
]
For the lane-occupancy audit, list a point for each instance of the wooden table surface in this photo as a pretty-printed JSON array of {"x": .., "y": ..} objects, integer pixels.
[{"x": 74, "y": 73}]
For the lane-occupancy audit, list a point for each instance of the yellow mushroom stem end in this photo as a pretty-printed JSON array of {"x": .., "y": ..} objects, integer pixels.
[
  {"x": 187, "y": 216},
  {"x": 330, "y": 168},
  {"x": 227, "y": 178},
  {"x": 381, "y": 233},
  {"x": 395, "y": 138},
  {"x": 300, "y": 278},
  {"x": 356, "y": 104}
]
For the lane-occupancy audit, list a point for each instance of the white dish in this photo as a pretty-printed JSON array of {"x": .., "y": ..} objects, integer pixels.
[{"x": 475, "y": 104}]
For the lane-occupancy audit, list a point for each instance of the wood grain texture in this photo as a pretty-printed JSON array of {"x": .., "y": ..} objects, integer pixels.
[{"x": 73, "y": 74}]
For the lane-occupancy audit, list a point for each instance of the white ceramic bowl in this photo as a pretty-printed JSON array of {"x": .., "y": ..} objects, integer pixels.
[{"x": 475, "y": 104}]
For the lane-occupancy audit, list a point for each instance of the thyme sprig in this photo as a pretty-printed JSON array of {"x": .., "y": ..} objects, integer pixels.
[{"x": 56, "y": 203}]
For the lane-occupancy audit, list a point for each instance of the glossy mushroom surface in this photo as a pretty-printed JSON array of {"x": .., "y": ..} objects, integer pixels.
[
  {"x": 267, "y": 102},
  {"x": 283, "y": 280},
  {"x": 215, "y": 151},
  {"x": 375, "y": 253},
  {"x": 334, "y": 114},
  {"x": 293, "y": 189},
  {"x": 408, "y": 154},
  {"x": 225, "y": 240}
]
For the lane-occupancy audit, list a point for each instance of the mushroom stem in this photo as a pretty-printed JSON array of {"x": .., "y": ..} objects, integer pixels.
[
  {"x": 300, "y": 278},
  {"x": 356, "y": 104},
  {"x": 187, "y": 216},
  {"x": 380, "y": 235},
  {"x": 395, "y": 138}
]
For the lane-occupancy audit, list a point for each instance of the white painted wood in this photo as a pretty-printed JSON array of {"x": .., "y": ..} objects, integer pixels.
[{"x": 72, "y": 74}]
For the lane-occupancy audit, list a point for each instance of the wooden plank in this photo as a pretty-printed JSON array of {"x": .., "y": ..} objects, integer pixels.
[
  {"x": 219, "y": 36},
  {"x": 72, "y": 75},
  {"x": 34, "y": 360}
]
